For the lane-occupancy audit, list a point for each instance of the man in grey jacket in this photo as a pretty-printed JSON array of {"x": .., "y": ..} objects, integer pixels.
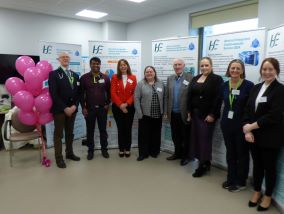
[{"x": 176, "y": 98}]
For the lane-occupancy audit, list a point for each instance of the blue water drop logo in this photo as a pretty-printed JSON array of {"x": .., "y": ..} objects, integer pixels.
[
  {"x": 191, "y": 46},
  {"x": 77, "y": 53},
  {"x": 255, "y": 43}
]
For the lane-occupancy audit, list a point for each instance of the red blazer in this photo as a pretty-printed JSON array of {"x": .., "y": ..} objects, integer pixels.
[{"x": 119, "y": 94}]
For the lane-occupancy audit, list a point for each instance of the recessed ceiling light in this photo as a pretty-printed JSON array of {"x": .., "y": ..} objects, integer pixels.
[
  {"x": 91, "y": 14},
  {"x": 137, "y": 1}
]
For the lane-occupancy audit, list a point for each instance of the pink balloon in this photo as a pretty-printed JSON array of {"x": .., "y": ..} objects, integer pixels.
[
  {"x": 45, "y": 67},
  {"x": 23, "y": 63},
  {"x": 24, "y": 100},
  {"x": 28, "y": 118},
  {"x": 14, "y": 84},
  {"x": 43, "y": 103},
  {"x": 33, "y": 79},
  {"x": 45, "y": 118}
]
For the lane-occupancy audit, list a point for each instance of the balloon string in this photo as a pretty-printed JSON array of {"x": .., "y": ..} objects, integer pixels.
[{"x": 42, "y": 141}]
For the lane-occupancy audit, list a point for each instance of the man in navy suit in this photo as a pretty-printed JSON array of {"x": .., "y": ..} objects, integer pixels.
[{"x": 64, "y": 90}]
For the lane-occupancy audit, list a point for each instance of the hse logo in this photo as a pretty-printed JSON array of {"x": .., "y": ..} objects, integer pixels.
[
  {"x": 47, "y": 49},
  {"x": 273, "y": 40},
  {"x": 213, "y": 45},
  {"x": 98, "y": 49},
  {"x": 158, "y": 47}
]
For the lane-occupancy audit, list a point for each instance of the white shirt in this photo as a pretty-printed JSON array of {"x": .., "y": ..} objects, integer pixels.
[
  {"x": 260, "y": 93},
  {"x": 124, "y": 79}
]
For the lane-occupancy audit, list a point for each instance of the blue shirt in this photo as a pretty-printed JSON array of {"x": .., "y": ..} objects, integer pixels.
[{"x": 176, "y": 97}]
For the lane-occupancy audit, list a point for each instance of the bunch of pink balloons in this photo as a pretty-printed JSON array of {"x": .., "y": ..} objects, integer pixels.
[{"x": 31, "y": 96}]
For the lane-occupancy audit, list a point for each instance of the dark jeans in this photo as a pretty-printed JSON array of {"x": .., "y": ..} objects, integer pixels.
[
  {"x": 62, "y": 122},
  {"x": 264, "y": 166},
  {"x": 237, "y": 155},
  {"x": 180, "y": 135},
  {"x": 94, "y": 114},
  {"x": 149, "y": 136},
  {"x": 124, "y": 123}
]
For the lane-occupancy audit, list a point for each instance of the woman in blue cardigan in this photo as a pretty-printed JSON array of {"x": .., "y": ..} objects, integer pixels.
[{"x": 234, "y": 94}]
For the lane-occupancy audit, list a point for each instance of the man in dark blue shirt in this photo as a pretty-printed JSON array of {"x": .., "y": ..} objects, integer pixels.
[{"x": 95, "y": 99}]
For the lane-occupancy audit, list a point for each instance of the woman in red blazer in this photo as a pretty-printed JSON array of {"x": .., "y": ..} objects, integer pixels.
[{"x": 123, "y": 85}]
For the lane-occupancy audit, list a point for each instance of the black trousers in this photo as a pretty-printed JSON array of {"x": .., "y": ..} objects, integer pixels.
[
  {"x": 180, "y": 135},
  {"x": 124, "y": 123},
  {"x": 63, "y": 122},
  {"x": 264, "y": 166},
  {"x": 237, "y": 155},
  {"x": 94, "y": 114},
  {"x": 149, "y": 136}
]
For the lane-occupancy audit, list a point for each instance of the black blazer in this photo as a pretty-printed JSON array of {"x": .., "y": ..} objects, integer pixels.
[
  {"x": 268, "y": 115},
  {"x": 62, "y": 93},
  {"x": 209, "y": 101}
]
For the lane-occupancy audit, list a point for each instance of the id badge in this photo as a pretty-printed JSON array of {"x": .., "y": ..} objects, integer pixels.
[
  {"x": 159, "y": 89},
  {"x": 235, "y": 92},
  {"x": 230, "y": 115},
  {"x": 102, "y": 81},
  {"x": 263, "y": 99},
  {"x": 185, "y": 82}
]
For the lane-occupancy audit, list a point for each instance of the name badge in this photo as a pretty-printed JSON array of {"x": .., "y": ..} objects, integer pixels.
[
  {"x": 78, "y": 83},
  {"x": 102, "y": 81},
  {"x": 185, "y": 82},
  {"x": 235, "y": 92},
  {"x": 262, "y": 100},
  {"x": 230, "y": 115},
  {"x": 159, "y": 89},
  {"x": 130, "y": 81}
]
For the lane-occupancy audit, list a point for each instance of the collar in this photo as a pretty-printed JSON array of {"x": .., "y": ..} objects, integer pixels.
[
  {"x": 63, "y": 68},
  {"x": 178, "y": 76}
]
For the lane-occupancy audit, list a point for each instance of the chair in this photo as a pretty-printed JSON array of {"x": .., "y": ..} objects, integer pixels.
[{"x": 25, "y": 133}]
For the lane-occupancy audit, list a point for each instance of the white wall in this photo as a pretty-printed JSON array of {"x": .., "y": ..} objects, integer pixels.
[
  {"x": 173, "y": 24},
  {"x": 270, "y": 13},
  {"x": 20, "y": 32}
]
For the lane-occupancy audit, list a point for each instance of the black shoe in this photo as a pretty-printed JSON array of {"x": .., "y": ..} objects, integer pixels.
[
  {"x": 226, "y": 185},
  {"x": 234, "y": 189},
  {"x": 105, "y": 154},
  {"x": 90, "y": 155},
  {"x": 140, "y": 158},
  {"x": 121, "y": 154},
  {"x": 73, "y": 157},
  {"x": 61, "y": 164},
  {"x": 260, "y": 208},
  {"x": 127, "y": 154},
  {"x": 252, "y": 204},
  {"x": 201, "y": 170},
  {"x": 184, "y": 162},
  {"x": 173, "y": 157}
]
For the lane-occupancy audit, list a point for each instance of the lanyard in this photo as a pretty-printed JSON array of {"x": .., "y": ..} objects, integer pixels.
[
  {"x": 231, "y": 96},
  {"x": 70, "y": 77}
]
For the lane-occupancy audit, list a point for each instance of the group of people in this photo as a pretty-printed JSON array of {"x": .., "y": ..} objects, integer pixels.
[{"x": 252, "y": 117}]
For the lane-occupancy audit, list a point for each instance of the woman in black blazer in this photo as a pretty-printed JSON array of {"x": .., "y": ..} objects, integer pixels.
[
  {"x": 263, "y": 129},
  {"x": 204, "y": 109}
]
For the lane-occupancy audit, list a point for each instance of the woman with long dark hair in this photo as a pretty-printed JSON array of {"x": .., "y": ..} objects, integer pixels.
[{"x": 122, "y": 95}]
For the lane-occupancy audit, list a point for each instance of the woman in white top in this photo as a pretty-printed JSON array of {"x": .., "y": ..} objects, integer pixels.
[{"x": 263, "y": 129}]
